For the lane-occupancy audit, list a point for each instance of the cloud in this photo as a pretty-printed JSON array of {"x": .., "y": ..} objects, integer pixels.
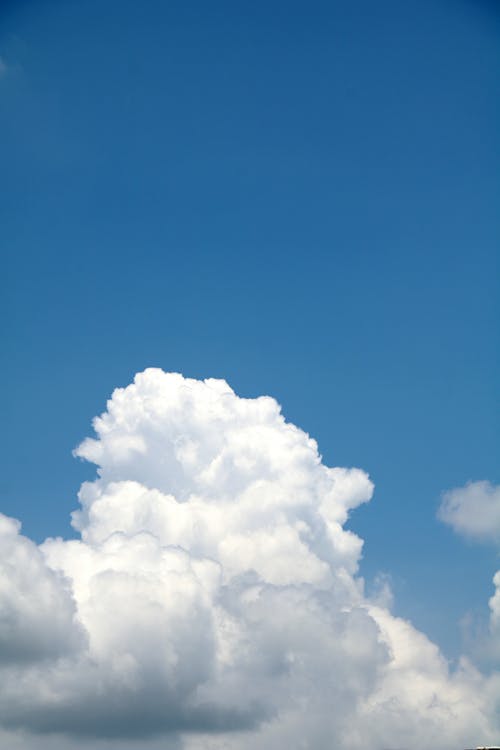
[
  {"x": 37, "y": 611},
  {"x": 213, "y": 599},
  {"x": 473, "y": 511}
]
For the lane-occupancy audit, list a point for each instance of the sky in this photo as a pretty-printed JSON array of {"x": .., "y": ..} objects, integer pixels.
[{"x": 300, "y": 199}]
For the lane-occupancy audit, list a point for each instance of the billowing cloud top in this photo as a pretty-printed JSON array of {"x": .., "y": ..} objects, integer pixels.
[{"x": 213, "y": 599}]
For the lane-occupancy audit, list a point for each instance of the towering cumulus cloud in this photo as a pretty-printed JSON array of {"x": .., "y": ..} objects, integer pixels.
[{"x": 213, "y": 599}]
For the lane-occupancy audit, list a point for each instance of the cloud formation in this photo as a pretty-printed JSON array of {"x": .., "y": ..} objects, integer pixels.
[
  {"x": 213, "y": 599},
  {"x": 473, "y": 511}
]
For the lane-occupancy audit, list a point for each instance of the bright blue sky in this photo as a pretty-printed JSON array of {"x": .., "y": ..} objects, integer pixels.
[{"x": 299, "y": 198}]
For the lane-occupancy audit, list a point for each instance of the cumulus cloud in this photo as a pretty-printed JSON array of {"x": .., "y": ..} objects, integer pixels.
[
  {"x": 37, "y": 610},
  {"x": 473, "y": 511},
  {"x": 213, "y": 599}
]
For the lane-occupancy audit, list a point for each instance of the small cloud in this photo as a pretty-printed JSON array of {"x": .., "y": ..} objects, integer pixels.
[{"x": 473, "y": 511}]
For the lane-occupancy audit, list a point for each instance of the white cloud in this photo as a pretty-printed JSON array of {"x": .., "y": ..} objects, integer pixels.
[
  {"x": 213, "y": 599},
  {"x": 37, "y": 611},
  {"x": 473, "y": 511}
]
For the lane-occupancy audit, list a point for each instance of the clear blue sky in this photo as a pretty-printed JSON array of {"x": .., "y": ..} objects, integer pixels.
[{"x": 301, "y": 198}]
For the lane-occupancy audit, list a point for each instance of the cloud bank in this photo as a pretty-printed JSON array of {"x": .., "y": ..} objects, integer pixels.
[{"x": 213, "y": 599}]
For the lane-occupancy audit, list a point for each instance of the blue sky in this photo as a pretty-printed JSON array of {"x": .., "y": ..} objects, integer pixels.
[{"x": 301, "y": 199}]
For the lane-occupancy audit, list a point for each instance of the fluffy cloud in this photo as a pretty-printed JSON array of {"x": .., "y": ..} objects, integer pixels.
[
  {"x": 37, "y": 612},
  {"x": 213, "y": 599},
  {"x": 473, "y": 511}
]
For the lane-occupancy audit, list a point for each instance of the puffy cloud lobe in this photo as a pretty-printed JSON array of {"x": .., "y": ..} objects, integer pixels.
[
  {"x": 37, "y": 611},
  {"x": 213, "y": 601},
  {"x": 473, "y": 511}
]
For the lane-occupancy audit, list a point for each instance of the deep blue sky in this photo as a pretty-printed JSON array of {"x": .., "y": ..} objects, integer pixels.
[{"x": 298, "y": 197}]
